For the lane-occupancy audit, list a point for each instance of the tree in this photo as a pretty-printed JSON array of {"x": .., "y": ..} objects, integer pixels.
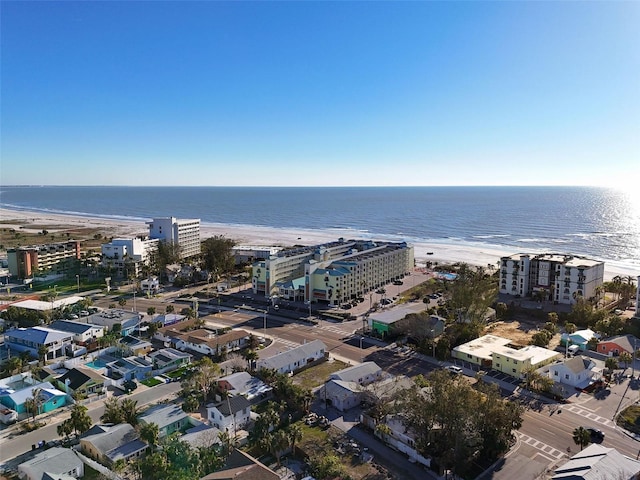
[
  {"x": 130, "y": 411},
  {"x": 122, "y": 301},
  {"x": 34, "y": 403},
  {"x": 471, "y": 294},
  {"x": 582, "y": 437},
  {"x": 166, "y": 254},
  {"x": 112, "y": 412},
  {"x": 12, "y": 365},
  {"x": 625, "y": 357},
  {"x": 570, "y": 328},
  {"x": 80, "y": 419},
  {"x": 250, "y": 356},
  {"x": 206, "y": 376},
  {"x": 151, "y": 311},
  {"x": 536, "y": 381},
  {"x": 541, "y": 338},
  {"x": 611, "y": 363},
  {"x": 65, "y": 429},
  {"x": 169, "y": 309},
  {"x": 294, "y": 433},
  {"x": 150, "y": 433},
  {"x": 324, "y": 467},
  {"x": 552, "y": 317},
  {"x": 42, "y": 353},
  {"x": 217, "y": 255}
]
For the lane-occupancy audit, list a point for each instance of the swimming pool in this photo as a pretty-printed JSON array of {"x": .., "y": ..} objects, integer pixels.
[
  {"x": 96, "y": 364},
  {"x": 447, "y": 276}
]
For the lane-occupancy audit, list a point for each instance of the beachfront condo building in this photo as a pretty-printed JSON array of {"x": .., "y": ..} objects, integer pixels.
[
  {"x": 550, "y": 276},
  {"x": 334, "y": 272},
  {"x": 25, "y": 262},
  {"x": 123, "y": 256},
  {"x": 183, "y": 232}
]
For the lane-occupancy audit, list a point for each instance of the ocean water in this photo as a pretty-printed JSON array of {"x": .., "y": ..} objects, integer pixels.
[{"x": 597, "y": 222}]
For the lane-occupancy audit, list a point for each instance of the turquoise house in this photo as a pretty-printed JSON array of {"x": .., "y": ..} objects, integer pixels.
[{"x": 50, "y": 396}]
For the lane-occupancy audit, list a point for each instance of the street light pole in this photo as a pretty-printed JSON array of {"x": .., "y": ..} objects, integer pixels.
[{"x": 265, "y": 324}]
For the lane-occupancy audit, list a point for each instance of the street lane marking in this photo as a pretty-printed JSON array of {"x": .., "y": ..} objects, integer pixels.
[{"x": 543, "y": 447}]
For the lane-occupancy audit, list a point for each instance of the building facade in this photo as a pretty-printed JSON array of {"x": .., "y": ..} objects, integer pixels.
[
  {"x": 25, "y": 262},
  {"x": 183, "y": 232},
  {"x": 555, "y": 277},
  {"x": 128, "y": 255},
  {"x": 333, "y": 272}
]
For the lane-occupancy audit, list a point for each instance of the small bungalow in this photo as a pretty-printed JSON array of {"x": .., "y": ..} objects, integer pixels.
[
  {"x": 169, "y": 418},
  {"x": 384, "y": 322},
  {"x": 169, "y": 359},
  {"x": 614, "y": 346},
  {"x": 82, "y": 381},
  {"x": 580, "y": 338},
  {"x": 398, "y": 436},
  {"x": 109, "y": 443},
  {"x": 136, "y": 346},
  {"x": 208, "y": 343},
  {"x": 362, "y": 374},
  {"x": 201, "y": 436},
  {"x": 296, "y": 358},
  {"x": 230, "y": 414},
  {"x": 242, "y": 466},
  {"x": 52, "y": 463},
  {"x": 242, "y": 383},
  {"x": 49, "y": 396},
  {"x": 168, "y": 319},
  {"x": 115, "y": 319},
  {"x": 577, "y": 371}
]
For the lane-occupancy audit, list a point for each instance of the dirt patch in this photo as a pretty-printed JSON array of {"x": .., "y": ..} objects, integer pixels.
[{"x": 519, "y": 333}]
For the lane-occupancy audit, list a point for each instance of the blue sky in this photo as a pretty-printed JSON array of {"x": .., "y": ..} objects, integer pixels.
[{"x": 327, "y": 93}]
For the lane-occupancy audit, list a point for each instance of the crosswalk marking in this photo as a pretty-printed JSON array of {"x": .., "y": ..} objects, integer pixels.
[
  {"x": 590, "y": 415},
  {"x": 543, "y": 447}
]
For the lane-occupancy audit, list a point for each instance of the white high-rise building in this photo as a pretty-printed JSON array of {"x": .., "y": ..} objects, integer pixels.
[
  {"x": 183, "y": 232},
  {"x": 557, "y": 277}
]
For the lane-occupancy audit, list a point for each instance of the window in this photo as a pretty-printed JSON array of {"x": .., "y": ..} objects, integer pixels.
[
  {"x": 513, "y": 370},
  {"x": 566, "y": 376},
  {"x": 555, "y": 373}
]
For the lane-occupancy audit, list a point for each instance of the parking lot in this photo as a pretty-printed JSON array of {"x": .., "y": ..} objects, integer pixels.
[{"x": 503, "y": 377}]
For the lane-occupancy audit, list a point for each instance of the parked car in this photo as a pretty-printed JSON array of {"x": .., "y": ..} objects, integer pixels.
[
  {"x": 454, "y": 369},
  {"x": 381, "y": 291},
  {"x": 398, "y": 282}
]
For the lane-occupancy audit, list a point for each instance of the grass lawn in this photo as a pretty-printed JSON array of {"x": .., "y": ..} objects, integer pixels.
[
  {"x": 90, "y": 473},
  {"x": 151, "y": 382},
  {"x": 629, "y": 419},
  {"x": 316, "y": 376},
  {"x": 177, "y": 373}
]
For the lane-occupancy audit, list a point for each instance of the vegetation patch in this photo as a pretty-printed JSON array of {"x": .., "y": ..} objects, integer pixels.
[
  {"x": 316, "y": 376},
  {"x": 629, "y": 419},
  {"x": 151, "y": 382}
]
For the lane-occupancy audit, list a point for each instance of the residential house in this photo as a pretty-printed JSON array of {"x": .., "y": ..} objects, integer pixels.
[
  {"x": 52, "y": 463},
  {"x": 169, "y": 359},
  {"x": 14, "y": 395},
  {"x": 342, "y": 395},
  {"x": 172, "y": 333},
  {"x": 242, "y": 383},
  {"x": 129, "y": 368},
  {"x": 57, "y": 343},
  {"x": 242, "y": 466},
  {"x": 577, "y": 371},
  {"x": 614, "y": 346},
  {"x": 109, "y": 443},
  {"x": 231, "y": 414},
  {"x": 114, "y": 319},
  {"x": 169, "y": 319},
  {"x": 208, "y": 343},
  {"x": 201, "y": 436},
  {"x": 580, "y": 338},
  {"x": 135, "y": 345},
  {"x": 169, "y": 418},
  {"x": 346, "y": 394},
  {"x": 82, "y": 381},
  {"x": 362, "y": 374},
  {"x": 398, "y": 436},
  {"x": 515, "y": 362},
  {"x": 598, "y": 462},
  {"x": 296, "y": 358},
  {"x": 83, "y": 333}
]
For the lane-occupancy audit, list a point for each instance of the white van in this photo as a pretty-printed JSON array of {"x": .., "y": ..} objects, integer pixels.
[{"x": 573, "y": 349}]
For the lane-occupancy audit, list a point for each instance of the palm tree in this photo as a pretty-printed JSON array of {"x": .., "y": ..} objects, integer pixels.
[
  {"x": 250, "y": 356},
  {"x": 80, "y": 419},
  {"x": 112, "y": 412},
  {"x": 130, "y": 411},
  {"x": 625, "y": 357},
  {"x": 150, "y": 433},
  {"x": 42, "y": 353},
  {"x": 611, "y": 363},
  {"x": 294, "y": 433},
  {"x": 34, "y": 403},
  {"x": 582, "y": 437}
]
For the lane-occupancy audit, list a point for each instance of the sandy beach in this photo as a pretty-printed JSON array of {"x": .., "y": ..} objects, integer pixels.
[{"x": 480, "y": 255}]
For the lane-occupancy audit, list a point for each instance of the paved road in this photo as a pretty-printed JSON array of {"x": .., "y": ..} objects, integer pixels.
[{"x": 14, "y": 444}]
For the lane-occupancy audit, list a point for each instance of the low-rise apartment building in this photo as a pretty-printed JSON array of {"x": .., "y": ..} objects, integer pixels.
[
  {"x": 25, "y": 262},
  {"x": 122, "y": 256}
]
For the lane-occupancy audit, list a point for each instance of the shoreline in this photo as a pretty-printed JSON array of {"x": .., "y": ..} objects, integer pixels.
[{"x": 441, "y": 252}]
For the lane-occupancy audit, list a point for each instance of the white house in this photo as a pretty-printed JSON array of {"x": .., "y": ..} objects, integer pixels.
[
  {"x": 82, "y": 332},
  {"x": 52, "y": 463},
  {"x": 231, "y": 414},
  {"x": 296, "y": 358},
  {"x": 242, "y": 383},
  {"x": 361, "y": 374},
  {"x": 578, "y": 371}
]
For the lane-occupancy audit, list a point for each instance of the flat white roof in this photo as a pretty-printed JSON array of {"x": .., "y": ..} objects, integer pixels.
[
  {"x": 44, "y": 306},
  {"x": 532, "y": 353},
  {"x": 483, "y": 347}
]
